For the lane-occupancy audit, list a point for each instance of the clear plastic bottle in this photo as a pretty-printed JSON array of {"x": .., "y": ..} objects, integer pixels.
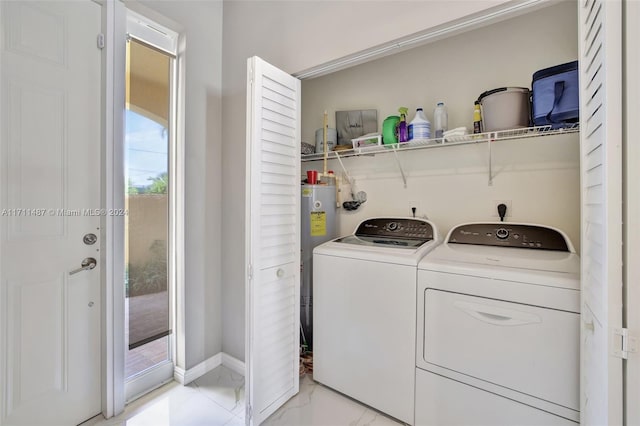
[
  {"x": 420, "y": 126},
  {"x": 440, "y": 119}
]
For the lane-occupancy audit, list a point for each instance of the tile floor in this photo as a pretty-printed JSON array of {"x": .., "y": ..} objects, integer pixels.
[{"x": 217, "y": 398}]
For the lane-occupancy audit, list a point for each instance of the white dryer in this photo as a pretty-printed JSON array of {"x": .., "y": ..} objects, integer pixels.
[
  {"x": 364, "y": 312},
  {"x": 498, "y": 328}
]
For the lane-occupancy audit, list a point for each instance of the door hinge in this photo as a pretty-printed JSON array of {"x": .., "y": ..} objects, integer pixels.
[
  {"x": 628, "y": 344},
  {"x": 100, "y": 41},
  {"x": 250, "y": 271},
  {"x": 248, "y": 412}
]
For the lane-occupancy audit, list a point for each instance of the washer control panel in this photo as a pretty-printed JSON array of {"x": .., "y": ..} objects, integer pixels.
[
  {"x": 396, "y": 228},
  {"x": 509, "y": 235}
]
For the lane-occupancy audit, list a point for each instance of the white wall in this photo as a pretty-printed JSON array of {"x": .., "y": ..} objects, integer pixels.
[
  {"x": 539, "y": 176},
  {"x": 201, "y": 22},
  {"x": 454, "y": 70},
  {"x": 295, "y": 36}
]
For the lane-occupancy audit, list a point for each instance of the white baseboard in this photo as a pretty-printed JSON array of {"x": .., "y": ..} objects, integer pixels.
[
  {"x": 233, "y": 363},
  {"x": 184, "y": 377}
]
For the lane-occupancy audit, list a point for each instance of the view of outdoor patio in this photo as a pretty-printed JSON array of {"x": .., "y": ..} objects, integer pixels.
[{"x": 147, "y": 203}]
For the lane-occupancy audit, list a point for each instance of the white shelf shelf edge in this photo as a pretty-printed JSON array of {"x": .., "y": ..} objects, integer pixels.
[{"x": 522, "y": 133}]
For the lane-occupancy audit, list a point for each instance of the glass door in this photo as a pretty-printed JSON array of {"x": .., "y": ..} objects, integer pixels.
[{"x": 148, "y": 143}]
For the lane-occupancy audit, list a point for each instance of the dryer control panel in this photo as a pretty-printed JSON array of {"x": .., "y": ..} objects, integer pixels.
[
  {"x": 509, "y": 235},
  {"x": 396, "y": 228}
]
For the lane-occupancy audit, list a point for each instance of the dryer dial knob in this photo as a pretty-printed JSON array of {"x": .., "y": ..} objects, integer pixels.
[
  {"x": 502, "y": 233},
  {"x": 392, "y": 226}
]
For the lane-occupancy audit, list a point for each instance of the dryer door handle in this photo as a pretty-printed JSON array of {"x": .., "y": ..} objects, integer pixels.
[{"x": 496, "y": 315}]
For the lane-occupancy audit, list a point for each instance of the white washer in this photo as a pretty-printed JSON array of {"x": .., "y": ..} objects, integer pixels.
[
  {"x": 365, "y": 309},
  {"x": 498, "y": 328}
]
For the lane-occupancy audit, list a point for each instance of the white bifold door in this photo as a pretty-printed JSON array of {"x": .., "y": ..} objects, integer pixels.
[
  {"x": 601, "y": 181},
  {"x": 272, "y": 239}
]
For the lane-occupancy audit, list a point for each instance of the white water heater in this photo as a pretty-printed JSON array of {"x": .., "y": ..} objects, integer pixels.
[{"x": 318, "y": 222}]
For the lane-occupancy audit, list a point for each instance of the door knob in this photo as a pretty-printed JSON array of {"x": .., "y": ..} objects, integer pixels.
[{"x": 86, "y": 264}]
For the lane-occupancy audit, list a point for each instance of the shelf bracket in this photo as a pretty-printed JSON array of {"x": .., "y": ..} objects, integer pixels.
[
  {"x": 395, "y": 153},
  {"x": 491, "y": 137}
]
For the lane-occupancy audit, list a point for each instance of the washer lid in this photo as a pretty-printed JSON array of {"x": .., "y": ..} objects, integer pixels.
[
  {"x": 376, "y": 253},
  {"x": 402, "y": 241},
  {"x": 369, "y": 241}
]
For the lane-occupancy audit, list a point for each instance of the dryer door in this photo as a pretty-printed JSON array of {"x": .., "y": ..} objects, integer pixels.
[{"x": 526, "y": 348}]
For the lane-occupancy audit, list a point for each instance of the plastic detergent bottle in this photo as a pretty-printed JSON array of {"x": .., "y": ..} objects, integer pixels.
[
  {"x": 403, "y": 133},
  {"x": 440, "y": 119},
  {"x": 420, "y": 126}
]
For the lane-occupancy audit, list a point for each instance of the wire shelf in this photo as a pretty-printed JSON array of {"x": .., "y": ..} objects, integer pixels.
[{"x": 522, "y": 133}]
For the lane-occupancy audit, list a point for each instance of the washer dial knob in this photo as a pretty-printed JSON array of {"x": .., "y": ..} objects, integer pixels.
[{"x": 502, "y": 233}]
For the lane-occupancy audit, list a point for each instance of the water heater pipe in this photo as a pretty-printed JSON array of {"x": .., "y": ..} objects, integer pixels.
[{"x": 325, "y": 126}]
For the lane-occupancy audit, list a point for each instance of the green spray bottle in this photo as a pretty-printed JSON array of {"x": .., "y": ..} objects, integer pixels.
[{"x": 403, "y": 131}]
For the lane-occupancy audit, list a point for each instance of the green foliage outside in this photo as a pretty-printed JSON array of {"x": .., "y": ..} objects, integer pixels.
[
  {"x": 152, "y": 276},
  {"x": 158, "y": 185},
  {"x": 132, "y": 190}
]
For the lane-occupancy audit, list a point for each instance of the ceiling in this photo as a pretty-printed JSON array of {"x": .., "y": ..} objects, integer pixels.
[{"x": 148, "y": 79}]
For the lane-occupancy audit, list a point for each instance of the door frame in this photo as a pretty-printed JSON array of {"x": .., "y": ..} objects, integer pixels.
[
  {"x": 166, "y": 39},
  {"x": 631, "y": 197},
  {"x": 114, "y": 29},
  {"x": 112, "y": 163}
]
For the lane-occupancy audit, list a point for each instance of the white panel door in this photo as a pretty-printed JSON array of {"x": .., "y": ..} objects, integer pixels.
[
  {"x": 273, "y": 239},
  {"x": 50, "y": 80},
  {"x": 601, "y": 181}
]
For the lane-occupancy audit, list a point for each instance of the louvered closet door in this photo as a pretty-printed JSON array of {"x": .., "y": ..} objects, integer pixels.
[
  {"x": 273, "y": 239},
  {"x": 601, "y": 163}
]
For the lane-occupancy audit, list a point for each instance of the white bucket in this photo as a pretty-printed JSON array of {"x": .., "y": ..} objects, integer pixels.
[
  {"x": 505, "y": 108},
  {"x": 332, "y": 138}
]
